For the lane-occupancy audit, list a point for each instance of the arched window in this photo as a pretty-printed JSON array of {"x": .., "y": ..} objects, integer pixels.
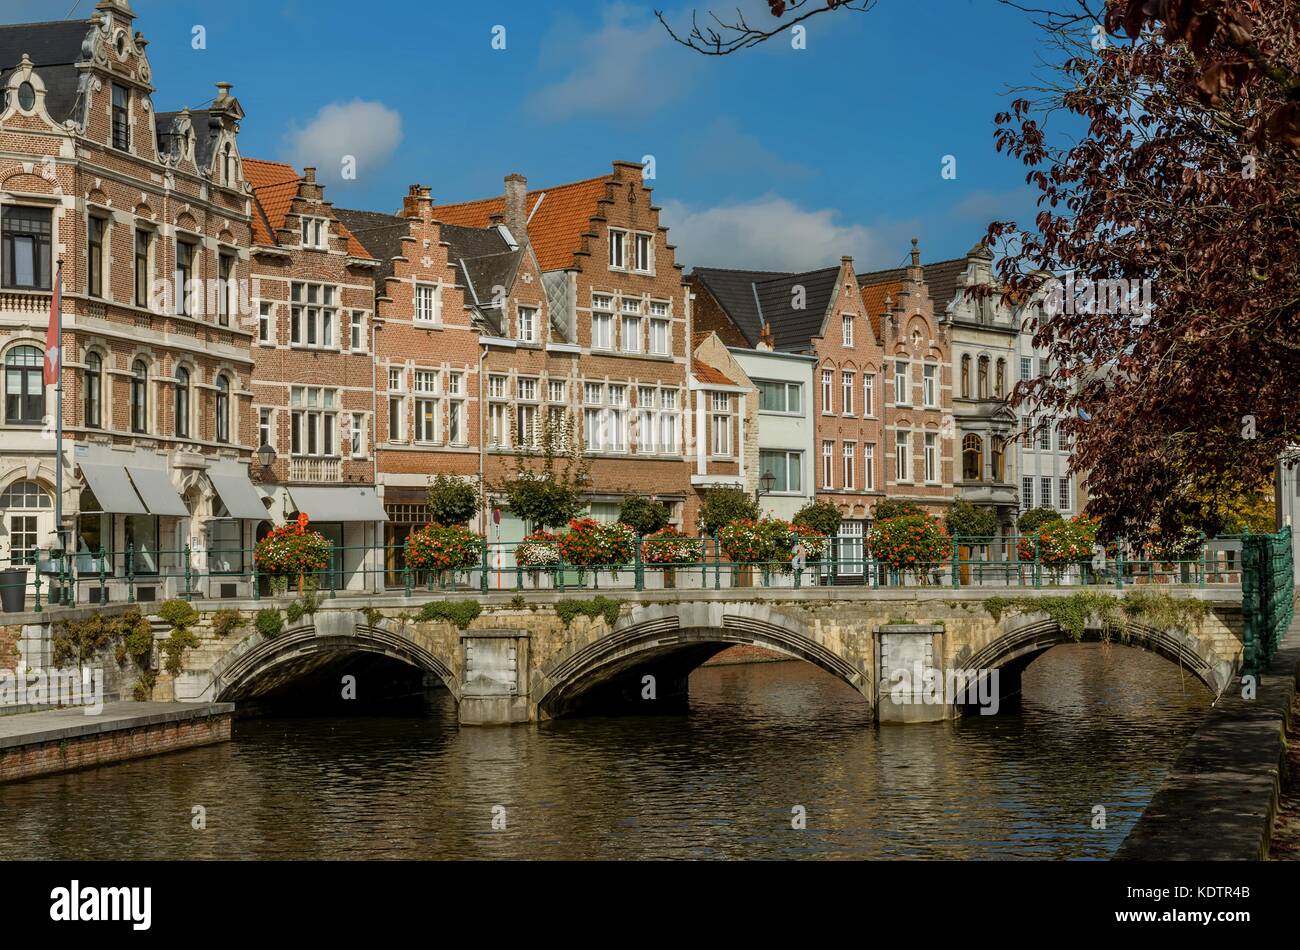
[
  {"x": 223, "y": 409},
  {"x": 139, "y": 396},
  {"x": 22, "y": 502},
  {"x": 24, "y": 386},
  {"x": 1000, "y": 381},
  {"x": 972, "y": 458},
  {"x": 181, "y": 404},
  {"x": 93, "y": 385},
  {"x": 998, "y": 459},
  {"x": 984, "y": 377},
  {"x": 228, "y": 166},
  {"x": 965, "y": 377}
]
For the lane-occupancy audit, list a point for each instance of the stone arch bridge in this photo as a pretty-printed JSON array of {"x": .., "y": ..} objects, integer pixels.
[{"x": 521, "y": 664}]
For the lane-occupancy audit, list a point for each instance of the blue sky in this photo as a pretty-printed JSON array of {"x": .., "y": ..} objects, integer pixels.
[{"x": 772, "y": 158}]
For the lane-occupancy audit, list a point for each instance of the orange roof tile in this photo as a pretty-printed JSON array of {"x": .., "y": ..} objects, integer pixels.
[
  {"x": 555, "y": 227},
  {"x": 873, "y": 298},
  {"x": 275, "y": 185},
  {"x": 709, "y": 375}
]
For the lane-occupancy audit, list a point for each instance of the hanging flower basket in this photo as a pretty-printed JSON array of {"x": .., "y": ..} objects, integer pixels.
[
  {"x": 435, "y": 548},
  {"x": 912, "y": 544},
  {"x": 590, "y": 543},
  {"x": 293, "y": 551},
  {"x": 539, "y": 549}
]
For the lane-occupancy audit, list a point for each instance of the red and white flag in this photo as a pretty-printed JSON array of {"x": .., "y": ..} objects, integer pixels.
[{"x": 53, "y": 345}]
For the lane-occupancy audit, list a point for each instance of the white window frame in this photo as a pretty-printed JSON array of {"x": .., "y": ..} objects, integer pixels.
[
  {"x": 931, "y": 449},
  {"x": 868, "y": 395},
  {"x": 527, "y": 320},
  {"x": 903, "y": 473},
  {"x": 617, "y": 249},
  {"x": 314, "y": 233},
  {"x": 427, "y": 311},
  {"x": 828, "y": 392},
  {"x": 848, "y": 383},
  {"x": 848, "y": 460},
  {"x": 930, "y": 385},
  {"x": 902, "y": 383},
  {"x": 828, "y": 464},
  {"x": 640, "y": 239},
  {"x": 846, "y": 330}
]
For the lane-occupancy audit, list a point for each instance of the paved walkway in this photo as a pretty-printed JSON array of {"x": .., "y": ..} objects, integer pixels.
[{"x": 57, "y": 724}]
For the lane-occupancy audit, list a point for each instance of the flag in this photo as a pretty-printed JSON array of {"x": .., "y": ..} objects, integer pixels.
[{"x": 53, "y": 345}]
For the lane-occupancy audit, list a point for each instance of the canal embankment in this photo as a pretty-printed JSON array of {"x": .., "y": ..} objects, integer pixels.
[
  {"x": 61, "y": 740},
  {"x": 1223, "y": 796}
]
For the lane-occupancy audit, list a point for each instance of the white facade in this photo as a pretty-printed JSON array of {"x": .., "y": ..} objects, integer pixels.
[
  {"x": 785, "y": 426},
  {"x": 1043, "y": 454},
  {"x": 1288, "y": 507}
]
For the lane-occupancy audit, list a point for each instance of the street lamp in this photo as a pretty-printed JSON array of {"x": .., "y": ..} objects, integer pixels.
[
  {"x": 265, "y": 456},
  {"x": 765, "y": 486}
]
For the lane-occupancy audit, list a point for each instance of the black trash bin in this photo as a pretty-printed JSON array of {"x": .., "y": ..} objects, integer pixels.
[{"x": 13, "y": 590}]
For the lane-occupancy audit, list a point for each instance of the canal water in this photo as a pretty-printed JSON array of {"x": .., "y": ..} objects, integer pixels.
[{"x": 762, "y": 743}]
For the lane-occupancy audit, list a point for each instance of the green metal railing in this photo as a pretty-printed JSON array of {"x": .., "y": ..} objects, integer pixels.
[{"x": 1267, "y": 596}]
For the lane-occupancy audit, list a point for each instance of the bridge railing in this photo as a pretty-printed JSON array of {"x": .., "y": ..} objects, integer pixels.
[
  {"x": 144, "y": 575},
  {"x": 1267, "y": 595}
]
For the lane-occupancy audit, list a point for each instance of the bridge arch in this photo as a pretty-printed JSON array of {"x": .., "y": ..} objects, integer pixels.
[
  {"x": 258, "y": 666},
  {"x": 670, "y": 641},
  {"x": 1027, "y": 637}
]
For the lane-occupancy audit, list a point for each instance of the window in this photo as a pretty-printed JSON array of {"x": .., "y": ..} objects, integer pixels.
[
  {"x": 357, "y": 434},
  {"x": 27, "y": 247},
  {"x": 312, "y": 314},
  {"x": 139, "y": 396},
  {"x": 1027, "y": 434},
  {"x": 313, "y": 420},
  {"x": 658, "y": 336},
  {"x": 315, "y": 233},
  {"x": 228, "y": 164},
  {"x": 456, "y": 408},
  {"x": 630, "y": 330},
  {"x": 721, "y": 424},
  {"x": 602, "y": 322},
  {"x": 984, "y": 377},
  {"x": 851, "y": 538},
  {"x": 786, "y": 469},
  {"x": 827, "y": 381},
  {"x": 498, "y": 427},
  {"x": 95, "y": 256},
  {"x": 225, "y": 547},
  {"x": 965, "y": 377},
  {"x": 902, "y": 456},
  {"x": 617, "y": 249},
  {"x": 828, "y": 465},
  {"x": 181, "y": 403},
  {"x": 528, "y": 324},
  {"x": 184, "y": 275},
  {"x": 644, "y": 249},
  {"x": 1045, "y": 490},
  {"x": 428, "y": 303},
  {"x": 998, "y": 458},
  {"x": 142, "y": 543},
  {"x": 26, "y": 96},
  {"x": 264, "y": 311},
  {"x": 24, "y": 386},
  {"x": 357, "y": 332},
  {"x": 972, "y": 458},
  {"x": 223, "y": 409},
  {"x": 225, "y": 287},
  {"x": 930, "y": 385},
  {"x": 931, "y": 457},
  {"x": 776, "y": 396},
  {"x": 264, "y": 428},
  {"x": 1045, "y": 440},
  {"x": 93, "y": 384},
  {"x": 848, "y": 329},
  {"x": 868, "y": 467},
  {"x": 396, "y": 405},
  {"x": 143, "y": 243},
  {"x": 850, "y": 452},
  {"x": 1063, "y": 493},
  {"x": 22, "y": 500},
  {"x": 526, "y": 412},
  {"x": 902, "y": 383},
  {"x": 868, "y": 394},
  {"x": 617, "y": 434},
  {"x": 667, "y": 421},
  {"x": 1062, "y": 438},
  {"x": 121, "y": 117},
  {"x": 427, "y": 390},
  {"x": 1026, "y": 367},
  {"x": 848, "y": 382},
  {"x": 1026, "y": 493},
  {"x": 1000, "y": 379}
]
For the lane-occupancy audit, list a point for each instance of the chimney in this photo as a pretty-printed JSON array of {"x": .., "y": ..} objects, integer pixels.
[
  {"x": 418, "y": 199},
  {"x": 309, "y": 174},
  {"x": 517, "y": 206},
  {"x": 765, "y": 341}
]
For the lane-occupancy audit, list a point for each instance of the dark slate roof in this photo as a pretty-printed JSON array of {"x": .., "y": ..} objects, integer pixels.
[
  {"x": 206, "y": 127},
  {"x": 473, "y": 242},
  {"x": 380, "y": 233},
  {"x": 752, "y": 298},
  {"x": 54, "y": 48},
  {"x": 483, "y": 259},
  {"x": 942, "y": 278}
]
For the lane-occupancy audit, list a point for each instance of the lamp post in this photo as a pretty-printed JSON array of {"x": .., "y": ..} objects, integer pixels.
[
  {"x": 766, "y": 481},
  {"x": 266, "y": 457}
]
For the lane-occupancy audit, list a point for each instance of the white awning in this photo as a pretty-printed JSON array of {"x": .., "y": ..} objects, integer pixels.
[
  {"x": 351, "y": 503},
  {"x": 237, "y": 493},
  {"x": 156, "y": 489},
  {"x": 112, "y": 489}
]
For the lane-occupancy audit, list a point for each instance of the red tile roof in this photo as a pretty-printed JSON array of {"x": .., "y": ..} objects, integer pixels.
[
  {"x": 873, "y": 298},
  {"x": 709, "y": 375},
  {"x": 275, "y": 185},
  {"x": 558, "y": 217}
]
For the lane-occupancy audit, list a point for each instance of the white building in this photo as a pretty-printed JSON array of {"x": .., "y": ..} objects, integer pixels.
[{"x": 785, "y": 426}]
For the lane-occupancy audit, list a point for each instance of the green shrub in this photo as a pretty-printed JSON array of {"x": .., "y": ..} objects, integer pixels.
[
  {"x": 643, "y": 515},
  {"x": 1035, "y": 518},
  {"x": 452, "y": 501},
  {"x": 179, "y": 613},
  {"x": 605, "y": 607},
  {"x": 227, "y": 621},
  {"x": 268, "y": 623},
  {"x": 889, "y": 508},
  {"x": 174, "y": 647},
  {"x": 459, "y": 612},
  {"x": 724, "y": 504},
  {"x": 142, "y": 692},
  {"x": 294, "y": 612},
  {"x": 964, "y": 520},
  {"x": 822, "y": 516},
  {"x": 373, "y": 615}
]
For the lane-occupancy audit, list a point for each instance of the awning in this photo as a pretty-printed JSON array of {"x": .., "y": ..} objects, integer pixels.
[
  {"x": 157, "y": 491},
  {"x": 112, "y": 489},
  {"x": 351, "y": 503},
  {"x": 238, "y": 494}
]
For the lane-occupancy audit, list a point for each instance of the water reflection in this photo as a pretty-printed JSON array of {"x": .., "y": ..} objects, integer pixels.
[{"x": 1098, "y": 726}]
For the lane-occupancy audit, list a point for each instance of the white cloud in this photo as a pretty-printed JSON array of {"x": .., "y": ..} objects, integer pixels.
[
  {"x": 617, "y": 68},
  {"x": 367, "y": 132},
  {"x": 770, "y": 233}
]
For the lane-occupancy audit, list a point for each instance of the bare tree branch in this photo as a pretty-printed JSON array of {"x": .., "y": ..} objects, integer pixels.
[{"x": 721, "y": 37}]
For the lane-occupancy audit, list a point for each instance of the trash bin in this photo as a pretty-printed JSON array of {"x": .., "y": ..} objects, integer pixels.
[{"x": 13, "y": 590}]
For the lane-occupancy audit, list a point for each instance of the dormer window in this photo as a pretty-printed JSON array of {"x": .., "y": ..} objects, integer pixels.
[
  {"x": 26, "y": 97},
  {"x": 315, "y": 233},
  {"x": 121, "y": 117}
]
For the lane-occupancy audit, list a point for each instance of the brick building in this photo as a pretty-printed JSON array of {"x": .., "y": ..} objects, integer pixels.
[
  {"x": 157, "y": 406},
  {"x": 314, "y": 397}
]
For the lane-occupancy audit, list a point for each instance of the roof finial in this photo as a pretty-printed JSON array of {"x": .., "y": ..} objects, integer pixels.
[
  {"x": 916, "y": 252},
  {"x": 765, "y": 341}
]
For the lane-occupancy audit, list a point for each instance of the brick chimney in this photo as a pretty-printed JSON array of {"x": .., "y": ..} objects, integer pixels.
[
  {"x": 516, "y": 217},
  {"x": 418, "y": 199},
  {"x": 765, "y": 341}
]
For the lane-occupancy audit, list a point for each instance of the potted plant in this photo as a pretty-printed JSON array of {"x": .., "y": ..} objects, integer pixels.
[
  {"x": 537, "y": 551},
  {"x": 293, "y": 551},
  {"x": 438, "y": 549},
  {"x": 911, "y": 544},
  {"x": 592, "y": 544},
  {"x": 668, "y": 548}
]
